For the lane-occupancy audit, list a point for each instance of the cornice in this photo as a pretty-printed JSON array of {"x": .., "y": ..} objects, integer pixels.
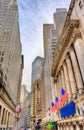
[
  {"x": 4, "y": 96},
  {"x": 69, "y": 14},
  {"x": 63, "y": 43}
]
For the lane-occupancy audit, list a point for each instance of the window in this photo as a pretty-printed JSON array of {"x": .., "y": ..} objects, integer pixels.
[{"x": 80, "y": 5}]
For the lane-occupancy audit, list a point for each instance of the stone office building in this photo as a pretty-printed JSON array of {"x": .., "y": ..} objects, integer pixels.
[
  {"x": 11, "y": 62},
  {"x": 37, "y": 66},
  {"x": 68, "y": 66}
]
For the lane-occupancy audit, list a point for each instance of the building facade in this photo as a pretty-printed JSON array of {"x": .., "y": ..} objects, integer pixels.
[
  {"x": 37, "y": 66},
  {"x": 23, "y": 96},
  {"x": 59, "y": 18},
  {"x": 46, "y": 33},
  {"x": 42, "y": 91},
  {"x": 11, "y": 62},
  {"x": 29, "y": 109},
  {"x": 68, "y": 66},
  {"x": 48, "y": 80},
  {"x": 26, "y": 106}
]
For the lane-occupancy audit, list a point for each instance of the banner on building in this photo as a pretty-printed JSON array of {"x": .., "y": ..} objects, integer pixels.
[
  {"x": 18, "y": 109},
  {"x": 59, "y": 102},
  {"x": 68, "y": 110}
]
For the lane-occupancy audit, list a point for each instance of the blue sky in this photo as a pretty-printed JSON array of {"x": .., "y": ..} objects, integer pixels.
[{"x": 32, "y": 15}]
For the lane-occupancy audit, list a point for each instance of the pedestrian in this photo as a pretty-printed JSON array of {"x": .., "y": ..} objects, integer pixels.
[{"x": 37, "y": 127}]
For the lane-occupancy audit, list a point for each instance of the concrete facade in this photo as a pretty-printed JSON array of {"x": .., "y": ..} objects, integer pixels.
[
  {"x": 36, "y": 109},
  {"x": 46, "y": 33},
  {"x": 37, "y": 68},
  {"x": 43, "y": 101},
  {"x": 23, "y": 96},
  {"x": 67, "y": 68},
  {"x": 11, "y": 62},
  {"x": 25, "y": 114},
  {"x": 59, "y": 18},
  {"x": 48, "y": 80}
]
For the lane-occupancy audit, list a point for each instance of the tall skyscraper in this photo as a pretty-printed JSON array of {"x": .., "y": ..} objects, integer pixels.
[
  {"x": 51, "y": 38},
  {"x": 46, "y": 33},
  {"x": 24, "y": 95},
  {"x": 11, "y": 61},
  {"x": 59, "y": 19},
  {"x": 37, "y": 66}
]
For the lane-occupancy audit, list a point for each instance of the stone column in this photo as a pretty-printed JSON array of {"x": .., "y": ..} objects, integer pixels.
[
  {"x": 58, "y": 88},
  {"x": 79, "y": 49},
  {"x": 77, "y": 127},
  {"x": 7, "y": 118},
  {"x": 71, "y": 76},
  {"x": 67, "y": 79},
  {"x": 59, "y": 84},
  {"x": 53, "y": 84},
  {"x": 62, "y": 77},
  {"x": 67, "y": 127},
  {"x": 83, "y": 126},
  {"x": 1, "y": 115},
  {"x": 58, "y": 127},
  {"x": 55, "y": 89},
  {"x": 76, "y": 69},
  {"x": 60, "y": 81},
  {"x": 10, "y": 119},
  {"x": 71, "y": 127},
  {"x": 4, "y": 117}
]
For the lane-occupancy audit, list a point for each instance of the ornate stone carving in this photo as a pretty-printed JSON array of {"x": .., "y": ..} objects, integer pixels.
[
  {"x": 71, "y": 33},
  {"x": 6, "y": 98}
]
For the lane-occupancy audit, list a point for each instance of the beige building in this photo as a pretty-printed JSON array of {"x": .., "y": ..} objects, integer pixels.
[
  {"x": 25, "y": 114},
  {"x": 36, "y": 107},
  {"x": 11, "y": 62},
  {"x": 59, "y": 18},
  {"x": 24, "y": 96},
  {"x": 51, "y": 39},
  {"x": 42, "y": 90},
  {"x": 68, "y": 66},
  {"x": 46, "y": 33}
]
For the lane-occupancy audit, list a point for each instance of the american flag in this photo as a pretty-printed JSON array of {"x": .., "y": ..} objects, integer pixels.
[
  {"x": 57, "y": 103},
  {"x": 64, "y": 96},
  {"x": 52, "y": 108}
]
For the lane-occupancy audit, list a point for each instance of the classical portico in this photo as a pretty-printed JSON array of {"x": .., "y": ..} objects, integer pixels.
[{"x": 68, "y": 71}]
